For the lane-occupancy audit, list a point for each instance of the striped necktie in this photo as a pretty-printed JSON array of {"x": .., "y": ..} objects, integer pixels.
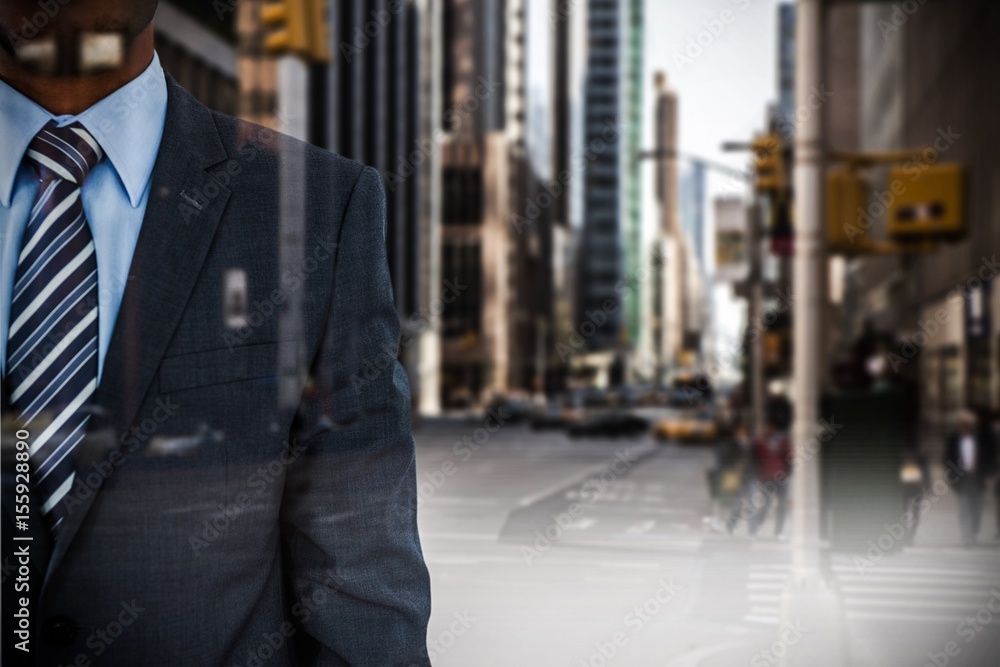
[{"x": 52, "y": 342}]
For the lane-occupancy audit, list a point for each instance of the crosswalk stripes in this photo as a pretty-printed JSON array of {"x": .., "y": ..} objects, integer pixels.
[
  {"x": 893, "y": 591},
  {"x": 901, "y": 591},
  {"x": 765, "y": 583}
]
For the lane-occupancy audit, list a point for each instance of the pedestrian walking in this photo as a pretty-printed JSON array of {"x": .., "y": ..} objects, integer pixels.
[
  {"x": 727, "y": 479},
  {"x": 770, "y": 465},
  {"x": 970, "y": 459},
  {"x": 914, "y": 476}
]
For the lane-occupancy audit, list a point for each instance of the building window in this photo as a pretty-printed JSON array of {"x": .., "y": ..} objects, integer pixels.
[
  {"x": 462, "y": 266},
  {"x": 462, "y": 200}
]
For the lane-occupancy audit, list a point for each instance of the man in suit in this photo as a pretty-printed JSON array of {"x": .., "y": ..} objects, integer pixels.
[
  {"x": 193, "y": 473},
  {"x": 970, "y": 459}
]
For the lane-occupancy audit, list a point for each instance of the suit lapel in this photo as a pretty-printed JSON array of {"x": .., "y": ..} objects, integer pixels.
[{"x": 183, "y": 211}]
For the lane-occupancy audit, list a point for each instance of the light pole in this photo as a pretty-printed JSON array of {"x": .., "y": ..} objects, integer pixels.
[
  {"x": 808, "y": 600},
  {"x": 807, "y": 265}
]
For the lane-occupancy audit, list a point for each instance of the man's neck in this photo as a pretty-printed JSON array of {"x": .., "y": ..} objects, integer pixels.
[{"x": 71, "y": 95}]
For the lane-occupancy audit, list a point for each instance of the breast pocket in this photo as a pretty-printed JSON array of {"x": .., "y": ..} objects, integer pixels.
[{"x": 218, "y": 367}]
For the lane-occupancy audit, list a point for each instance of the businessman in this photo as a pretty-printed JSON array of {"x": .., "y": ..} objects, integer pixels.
[
  {"x": 970, "y": 460},
  {"x": 190, "y": 476}
]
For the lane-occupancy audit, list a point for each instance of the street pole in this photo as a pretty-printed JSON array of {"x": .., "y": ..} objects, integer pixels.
[
  {"x": 808, "y": 310},
  {"x": 755, "y": 237},
  {"x": 432, "y": 53},
  {"x": 808, "y": 601}
]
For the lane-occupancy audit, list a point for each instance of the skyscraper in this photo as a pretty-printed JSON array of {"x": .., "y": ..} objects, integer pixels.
[
  {"x": 483, "y": 185},
  {"x": 611, "y": 244},
  {"x": 667, "y": 325}
]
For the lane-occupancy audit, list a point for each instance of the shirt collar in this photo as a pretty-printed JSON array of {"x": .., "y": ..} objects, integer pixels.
[
  {"x": 128, "y": 124},
  {"x": 20, "y": 120}
]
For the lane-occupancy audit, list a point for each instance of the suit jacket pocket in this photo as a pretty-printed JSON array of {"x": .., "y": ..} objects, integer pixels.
[{"x": 202, "y": 369}]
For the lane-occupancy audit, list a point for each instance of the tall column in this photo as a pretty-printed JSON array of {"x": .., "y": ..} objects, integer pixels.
[
  {"x": 432, "y": 50},
  {"x": 808, "y": 298},
  {"x": 809, "y": 601},
  {"x": 755, "y": 242}
]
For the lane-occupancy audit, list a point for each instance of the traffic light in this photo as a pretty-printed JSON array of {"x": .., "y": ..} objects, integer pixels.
[
  {"x": 297, "y": 26},
  {"x": 769, "y": 163},
  {"x": 318, "y": 16},
  {"x": 287, "y": 30}
]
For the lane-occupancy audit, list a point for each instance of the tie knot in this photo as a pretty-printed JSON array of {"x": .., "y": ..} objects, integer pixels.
[{"x": 68, "y": 152}]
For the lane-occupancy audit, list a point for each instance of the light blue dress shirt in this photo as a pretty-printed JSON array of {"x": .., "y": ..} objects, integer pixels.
[{"x": 128, "y": 124}]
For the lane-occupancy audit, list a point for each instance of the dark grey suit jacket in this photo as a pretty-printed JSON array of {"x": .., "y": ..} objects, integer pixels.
[{"x": 246, "y": 491}]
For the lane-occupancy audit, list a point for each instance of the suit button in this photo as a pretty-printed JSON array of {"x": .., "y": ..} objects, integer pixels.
[{"x": 58, "y": 632}]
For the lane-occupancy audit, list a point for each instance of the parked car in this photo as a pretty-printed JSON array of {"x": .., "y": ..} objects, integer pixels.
[
  {"x": 553, "y": 416},
  {"x": 688, "y": 426},
  {"x": 685, "y": 397},
  {"x": 592, "y": 397},
  {"x": 514, "y": 408},
  {"x": 609, "y": 425}
]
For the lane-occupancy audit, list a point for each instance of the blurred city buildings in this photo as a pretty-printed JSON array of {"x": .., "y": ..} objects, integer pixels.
[
  {"x": 557, "y": 284},
  {"x": 915, "y": 79}
]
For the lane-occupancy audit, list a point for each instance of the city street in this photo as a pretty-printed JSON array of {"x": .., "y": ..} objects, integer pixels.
[{"x": 545, "y": 550}]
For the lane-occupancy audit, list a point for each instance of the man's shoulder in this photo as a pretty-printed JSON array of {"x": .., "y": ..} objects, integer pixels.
[{"x": 266, "y": 149}]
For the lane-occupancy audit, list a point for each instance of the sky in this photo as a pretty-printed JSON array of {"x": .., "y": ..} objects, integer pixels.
[
  {"x": 720, "y": 57},
  {"x": 724, "y": 82},
  {"x": 725, "y": 87}
]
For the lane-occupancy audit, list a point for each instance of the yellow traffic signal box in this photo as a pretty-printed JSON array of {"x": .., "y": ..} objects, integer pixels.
[
  {"x": 927, "y": 205},
  {"x": 848, "y": 222}
]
